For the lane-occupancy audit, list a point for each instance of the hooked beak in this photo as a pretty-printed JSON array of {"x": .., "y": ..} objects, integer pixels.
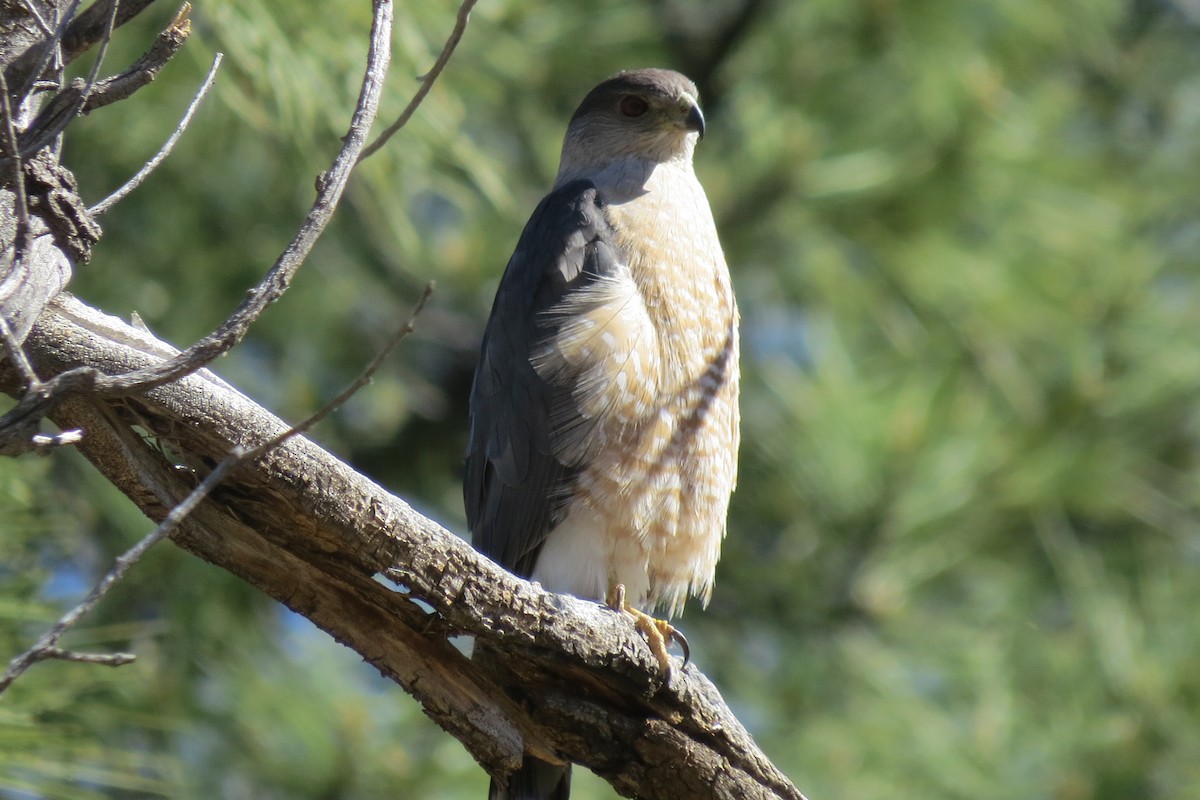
[{"x": 693, "y": 119}]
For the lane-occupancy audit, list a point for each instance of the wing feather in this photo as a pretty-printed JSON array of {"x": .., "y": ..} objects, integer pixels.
[{"x": 517, "y": 479}]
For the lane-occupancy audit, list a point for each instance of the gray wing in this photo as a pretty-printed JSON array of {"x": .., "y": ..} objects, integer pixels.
[{"x": 514, "y": 486}]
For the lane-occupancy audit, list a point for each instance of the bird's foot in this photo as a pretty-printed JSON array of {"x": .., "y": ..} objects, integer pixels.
[{"x": 659, "y": 633}]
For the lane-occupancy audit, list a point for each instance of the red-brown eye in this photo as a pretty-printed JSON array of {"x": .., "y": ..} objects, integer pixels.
[{"x": 633, "y": 106}]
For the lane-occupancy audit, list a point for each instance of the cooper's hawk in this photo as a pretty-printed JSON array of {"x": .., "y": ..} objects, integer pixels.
[{"x": 604, "y": 413}]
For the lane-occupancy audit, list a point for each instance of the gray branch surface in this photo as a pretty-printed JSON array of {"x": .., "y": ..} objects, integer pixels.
[{"x": 576, "y": 681}]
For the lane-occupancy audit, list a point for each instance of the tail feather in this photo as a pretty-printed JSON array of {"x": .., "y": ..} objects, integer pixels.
[{"x": 535, "y": 780}]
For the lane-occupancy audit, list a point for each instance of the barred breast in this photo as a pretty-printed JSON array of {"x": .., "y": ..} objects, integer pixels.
[{"x": 659, "y": 345}]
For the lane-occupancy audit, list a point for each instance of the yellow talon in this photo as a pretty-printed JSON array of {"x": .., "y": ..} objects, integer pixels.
[{"x": 658, "y": 632}]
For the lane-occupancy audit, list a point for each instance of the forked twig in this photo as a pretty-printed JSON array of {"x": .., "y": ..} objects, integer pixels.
[
  {"x": 280, "y": 276},
  {"x": 273, "y": 285},
  {"x": 147, "y": 66},
  {"x": 50, "y": 47},
  {"x": 57, "y": 116},
  {"x": 46, "y": 647},
  {"x": 81, "y": 97}
]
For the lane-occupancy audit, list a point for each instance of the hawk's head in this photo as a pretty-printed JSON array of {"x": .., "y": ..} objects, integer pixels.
[{"x": 647, "y": 114}]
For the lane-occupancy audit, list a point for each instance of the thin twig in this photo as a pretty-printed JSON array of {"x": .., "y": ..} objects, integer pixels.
[
  {"x": 46, "y": 647},
  {"x": 109, "y": 25},
  {"x": 131, "y": 184},
  {"x": 79, "y": 98},
  {"x": 37, "y": 17},
  {"x": 146, "y": 67},
  {"x": 460, "y": 27},
  {"x": 78, "y": 34},
  {"x": 20, "y": 423},
  {"x": 104, "y": 659},
  {"x": 48, "y": 129},
  {"x": 50, "y": 47},
  {"x": 88, "y": 26},
  {"x": 16, "y": 354},
  {"x": 22, "y": 238},
  {"x": 272, "y": 286},
  {"x": 279, "y": 277},
  {"x": 359, "y": 382},
  {"x": 43, "y": 442}
]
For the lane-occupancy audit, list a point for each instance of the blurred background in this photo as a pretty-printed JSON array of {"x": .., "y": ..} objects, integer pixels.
[{"x": 964, "y": 556}]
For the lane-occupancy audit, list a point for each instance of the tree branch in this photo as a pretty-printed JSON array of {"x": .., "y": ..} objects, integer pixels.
[
  {"x": 578, "y": 682},
  {"x": 81, "y": 97},
  {"x": 46, "y": 128},
  {"x": 88, "y": 26},
  {"x": 47, "y": 645},
  {"x": 39, "y": 400},
  {"x": 12, "y": 151},
  {"x": 99, "y": 209},
  {"x": 74, "y": 35},
  {"x": 279, "y": 277},
  {"x": 460, "y": 27}
]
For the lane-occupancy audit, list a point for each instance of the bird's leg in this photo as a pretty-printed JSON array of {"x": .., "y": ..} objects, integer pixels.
[{"x": 658, "y": 632}]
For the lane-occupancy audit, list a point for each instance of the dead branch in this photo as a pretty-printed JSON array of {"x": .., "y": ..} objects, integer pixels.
[
  {"x": 146, "y": 67},
  {"x": 579, "y": 683},
  {"x": 37, "y": 402},
  {"x": 280, "y": 276},
  {"x": 74, "y": 35},
  {"x": 46, "y": 128},
  {"x": 80, "y": 97},
  {"x": 46, "y": 647},
  {"x": 88, "y": 26}
]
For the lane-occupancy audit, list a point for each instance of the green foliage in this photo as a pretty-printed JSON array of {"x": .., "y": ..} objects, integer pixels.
[
  {"x": 64, "y": 731},
  {"x": 963, "y": 557}
]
